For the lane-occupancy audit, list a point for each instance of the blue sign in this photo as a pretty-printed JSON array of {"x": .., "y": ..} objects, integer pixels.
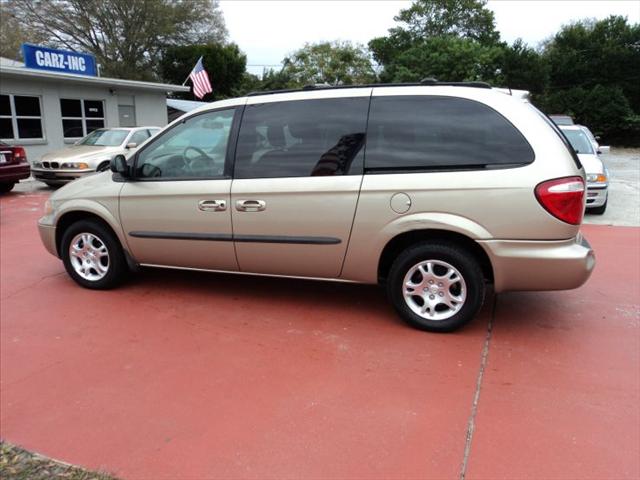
[{"x": 43, "y": 58}]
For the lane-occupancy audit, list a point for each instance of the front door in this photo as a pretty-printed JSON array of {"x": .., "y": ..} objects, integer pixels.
[
  {"x": 297, "y": 177},
  {"x": 176, "y": 211}
]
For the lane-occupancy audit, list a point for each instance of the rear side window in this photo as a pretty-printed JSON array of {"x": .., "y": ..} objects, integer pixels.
[
  {"x": 428, "y": 132},
  {"x": 302, "y": 138}
]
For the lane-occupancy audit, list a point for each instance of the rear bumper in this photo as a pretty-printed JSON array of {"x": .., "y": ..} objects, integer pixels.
[
  {"x": 14, "y": 173},
  {"x": 59, "y": 176},
  {"x": 540, "y": 265}
]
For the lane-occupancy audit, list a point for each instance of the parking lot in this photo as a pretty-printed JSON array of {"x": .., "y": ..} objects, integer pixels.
[{"x": 195, "y": 375}]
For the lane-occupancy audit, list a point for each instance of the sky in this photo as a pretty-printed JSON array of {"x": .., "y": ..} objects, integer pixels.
[{"x": 268, "y": 30}]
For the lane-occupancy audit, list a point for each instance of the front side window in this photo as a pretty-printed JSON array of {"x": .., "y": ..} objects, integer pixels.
[
  {"x": 139, "y": 137},
  {"x": 302, "y": 138},
  {"x": 20, "y": 117},
  {"x": 429, "y": 132},
  {"x": 80, "y": 117},
  {"x": 194, "y": 148},
  {"x": 105, "y": 138}
]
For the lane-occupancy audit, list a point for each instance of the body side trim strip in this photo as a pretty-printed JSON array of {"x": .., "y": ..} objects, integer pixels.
[{"x": 224, "y": 237}]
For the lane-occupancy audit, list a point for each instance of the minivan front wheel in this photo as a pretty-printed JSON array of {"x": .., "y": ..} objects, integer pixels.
[
  {"x": 92, "y": 255},
  {"x": 436, "y": 287}
]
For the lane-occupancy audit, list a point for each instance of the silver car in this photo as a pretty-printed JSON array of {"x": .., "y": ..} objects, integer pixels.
[
  {"x": 597, "y": 173},
  {"x": 430, "y": 190},
  {"x": 91, "y": 154}
]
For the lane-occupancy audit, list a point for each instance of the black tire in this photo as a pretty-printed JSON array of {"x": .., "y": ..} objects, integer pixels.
[
  {"x": 55, "y": 186},
  {"x": 6, "y": 187},
  {"x": 456, "y": 257},
  {"x": 117, "y": 266},
  {"x": 103, "y": 167},
  {"x": 599, "y": 210}
]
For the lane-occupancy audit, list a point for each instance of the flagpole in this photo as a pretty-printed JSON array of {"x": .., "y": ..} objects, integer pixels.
[{"x": 187, "y": 79}]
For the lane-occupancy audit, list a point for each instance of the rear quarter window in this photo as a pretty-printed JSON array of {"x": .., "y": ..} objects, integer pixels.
[{"x": 436, "y": 133}]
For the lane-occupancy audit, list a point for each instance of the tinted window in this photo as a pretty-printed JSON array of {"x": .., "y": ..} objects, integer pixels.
[
  {"x": 5, "y": 105},
  {"x": 27, "y": 106},
  {"x": 194, "y": 148},
  {"x": 70, "y": 108},
  {"x": 440, "y": 132},
  {"x": 93, "y": 108},
  {"x": 29, "y": 128},
  {"x": 94, "y": 124},
  {"x": 302, "y": 138},
  {"x": 72, "y": 128},
  {"x": 6, "y": 129}
]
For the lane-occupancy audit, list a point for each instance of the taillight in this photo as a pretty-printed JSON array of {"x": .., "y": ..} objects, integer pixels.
[
  {"x": 19, "y": 154},
  {"x": 563, "y": 198}
]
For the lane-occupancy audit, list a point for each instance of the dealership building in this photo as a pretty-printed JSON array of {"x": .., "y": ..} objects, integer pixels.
[{"x": 55, "y": 98}]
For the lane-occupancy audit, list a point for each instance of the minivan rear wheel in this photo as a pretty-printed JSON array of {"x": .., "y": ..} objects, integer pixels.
[
  {"x": 92, "y": 255},
  {"x": 436, "y": 287}
]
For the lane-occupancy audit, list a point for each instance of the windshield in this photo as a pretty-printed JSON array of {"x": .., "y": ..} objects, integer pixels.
[
  {"x": 105, "y": 138},
  {"x": 579, "y": 141}
]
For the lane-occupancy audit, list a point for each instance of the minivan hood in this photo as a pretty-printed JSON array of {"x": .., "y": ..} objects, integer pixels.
[
  {"x": 79, "y": 152},
  {"x": 591, "y": 163}
]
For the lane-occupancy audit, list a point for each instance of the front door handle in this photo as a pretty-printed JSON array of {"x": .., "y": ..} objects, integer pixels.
[
  {"x": 251, "y": 205},
  {"x": 212, "y": 205}
]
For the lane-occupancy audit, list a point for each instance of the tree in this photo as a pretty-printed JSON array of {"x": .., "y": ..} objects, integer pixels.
[
  {"x": 524, "y": 68},
  {"x": 450, "y": 40},
  {"x": 127, "y": 37},
  {"x": 14, "y": 33},
  {"x": 588, "y": 53},
  {"x": 331, "y": 62},
  {"x": 225, "y": 65},
  {"x": 460, "y": 18}
]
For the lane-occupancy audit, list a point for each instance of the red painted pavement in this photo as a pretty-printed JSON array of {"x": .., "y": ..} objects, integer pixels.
[{"x": 187, "y": 375}]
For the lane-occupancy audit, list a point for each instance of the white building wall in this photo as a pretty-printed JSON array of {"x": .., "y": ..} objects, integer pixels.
[{"x": 151, "y": 108}]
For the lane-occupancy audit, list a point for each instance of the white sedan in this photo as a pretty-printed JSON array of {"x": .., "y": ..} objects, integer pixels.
[
  {"x": 597, "y": 174},
  {"x": 91, "y": 154}
]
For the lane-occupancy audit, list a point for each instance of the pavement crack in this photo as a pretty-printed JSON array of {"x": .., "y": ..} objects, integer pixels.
[
  {"x": 41, "y": 279},
  {"x": 471, "y": 425}
]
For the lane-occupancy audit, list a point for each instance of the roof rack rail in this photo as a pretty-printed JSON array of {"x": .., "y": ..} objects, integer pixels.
[{"x": 423, "y": 83}]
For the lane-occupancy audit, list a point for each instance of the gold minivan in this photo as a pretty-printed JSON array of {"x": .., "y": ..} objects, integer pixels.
[{"x": 433, "y": 191}]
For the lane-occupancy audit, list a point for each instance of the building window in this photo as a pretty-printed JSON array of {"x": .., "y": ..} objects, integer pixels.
[
  {"x": 20, "y": 117},
  {"x": 81, "y": 117}
]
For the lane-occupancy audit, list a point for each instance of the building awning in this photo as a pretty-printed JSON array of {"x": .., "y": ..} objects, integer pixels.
[{"x": 30, "y": 73}]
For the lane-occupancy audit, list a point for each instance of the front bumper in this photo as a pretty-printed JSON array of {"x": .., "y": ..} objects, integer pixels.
[
  {"x": 596, "y": 195},
  {"x": 48, "y": 237},
  {"x": 59, "y": 176},
  {"x": 13, "y": 173},
  {"x": 540, "y": 265}
]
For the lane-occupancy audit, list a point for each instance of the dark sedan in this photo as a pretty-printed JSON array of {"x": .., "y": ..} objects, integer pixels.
[{"x": 13, "y": 166}]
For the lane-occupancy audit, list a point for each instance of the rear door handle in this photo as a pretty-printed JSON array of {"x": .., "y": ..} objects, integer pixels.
[
  {"x": 251, "y": 205},
  {"x": 212, "y": 205}
]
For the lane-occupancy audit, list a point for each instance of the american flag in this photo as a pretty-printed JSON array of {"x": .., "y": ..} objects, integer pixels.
[{"x": 200, "y": 80}]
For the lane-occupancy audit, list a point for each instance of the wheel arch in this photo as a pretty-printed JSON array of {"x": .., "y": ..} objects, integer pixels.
[
  {"x": 405, "y": 239},
  {"x": 69, "y": 218}
]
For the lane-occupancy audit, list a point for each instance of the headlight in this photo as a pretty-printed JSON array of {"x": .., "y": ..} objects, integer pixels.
[
  {"x": 37, "y": 164},
  {"x": 75, "y": 165},
  {"x": 596, "y": 178}
]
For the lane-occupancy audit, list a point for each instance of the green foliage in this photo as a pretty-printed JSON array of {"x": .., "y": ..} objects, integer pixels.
[
  {"x": 589, "y": 53},
  {"x": 523, "y": 68},
  {"x": 460, "y": 18},
  {"x": 446, "y": 58},
  {"x": 329, "y": 62},
  {"x": 225, "y": 65}
]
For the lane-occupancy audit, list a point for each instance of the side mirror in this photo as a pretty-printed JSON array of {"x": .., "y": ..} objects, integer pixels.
[
  {"x": 119, "y": 165},
  {"x": 131, "y": 145}
]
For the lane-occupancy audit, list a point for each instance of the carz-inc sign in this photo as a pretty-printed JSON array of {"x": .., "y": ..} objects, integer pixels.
[{"x": 43, "y": 58}]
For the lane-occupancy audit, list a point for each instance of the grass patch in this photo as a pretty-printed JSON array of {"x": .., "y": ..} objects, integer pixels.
[{"x": 18, "y": 464}]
